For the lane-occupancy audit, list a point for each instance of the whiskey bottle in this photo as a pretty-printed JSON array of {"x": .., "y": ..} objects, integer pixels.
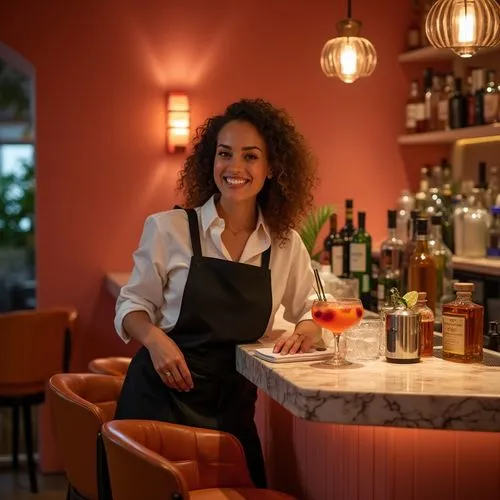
[
  {"x": 360, "y": 260},
  {"x": 463, "y": 327},
  {"x": 422, "y": 274},
  {"x": 479, "y": 77},
  {"x": 426, "y": 325},
  {"x": 444, "y": 103},
  {"x": 408, "y": 251}
]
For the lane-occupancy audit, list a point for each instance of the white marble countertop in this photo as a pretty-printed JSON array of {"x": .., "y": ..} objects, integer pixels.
[{"x": 432, "y": 394}]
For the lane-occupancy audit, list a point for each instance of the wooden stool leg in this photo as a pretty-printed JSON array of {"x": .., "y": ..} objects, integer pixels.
[
  {"x": 28, "y": 435},
  {"x": 15, "y": 437}
]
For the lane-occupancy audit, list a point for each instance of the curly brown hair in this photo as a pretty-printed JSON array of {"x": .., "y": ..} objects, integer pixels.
[{"x": 287, "y": 196}]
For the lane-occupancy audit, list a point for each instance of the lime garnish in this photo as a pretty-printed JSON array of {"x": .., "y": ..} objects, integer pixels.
[{"x": 410, "y": 298}]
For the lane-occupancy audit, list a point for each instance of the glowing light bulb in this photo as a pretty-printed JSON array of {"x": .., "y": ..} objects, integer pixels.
[
  {"x": 466, "y": 20},
  {"x": 348, "y": 62}
]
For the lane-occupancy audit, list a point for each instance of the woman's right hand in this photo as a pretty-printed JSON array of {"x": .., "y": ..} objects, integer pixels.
[{"x": 169, "y": 363}]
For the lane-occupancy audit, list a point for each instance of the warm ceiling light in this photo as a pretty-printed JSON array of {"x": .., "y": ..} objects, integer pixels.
[
  {"x": 348, "y": 56},
  {"x": 464, "y": 26}
]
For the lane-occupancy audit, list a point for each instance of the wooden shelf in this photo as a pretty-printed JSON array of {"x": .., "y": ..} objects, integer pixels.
[
  {"x": 431, "y": 54},
  {"x": 450, "y": 136}
]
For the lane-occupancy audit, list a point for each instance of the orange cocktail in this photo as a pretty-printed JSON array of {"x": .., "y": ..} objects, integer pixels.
[{"x": 337, "y": 316}]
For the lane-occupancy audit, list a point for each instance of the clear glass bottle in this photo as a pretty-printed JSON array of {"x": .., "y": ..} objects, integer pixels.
[
  {"x": 491, "y": 99},
  {"x": 435, "y": 200},
  {"x": 463, "y": 327},
  {"x": 422, "y": 273},
  {"x": 412, "y": 108},
  {"x": 475, "y": 227},
  {"x": 461, "y": 208},
  {"x": 422, "y": 196},
  {"x": 426, "y": 325},
  {"x": 493, "y": 249},
  {"x": 443, "y": 257},
  {"x": 391, "y": 254},
  {"x": 408, "y": 251},
  {"x": 406, "y": 203}
]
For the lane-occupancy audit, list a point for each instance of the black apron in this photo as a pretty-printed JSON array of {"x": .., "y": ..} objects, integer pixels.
[{"x": 225, "y": 303}]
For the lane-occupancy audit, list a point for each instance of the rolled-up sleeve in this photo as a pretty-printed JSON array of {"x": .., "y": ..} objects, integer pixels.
[
  {"x": 299, "y": 285},
  {"x": 144, "y": 290}
]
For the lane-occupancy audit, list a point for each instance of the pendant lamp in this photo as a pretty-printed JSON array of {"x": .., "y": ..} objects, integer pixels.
[{"x": 348, "y": 56}]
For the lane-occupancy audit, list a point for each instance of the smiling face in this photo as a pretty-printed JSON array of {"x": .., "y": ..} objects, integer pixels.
[{"x": 240, "y": 164}]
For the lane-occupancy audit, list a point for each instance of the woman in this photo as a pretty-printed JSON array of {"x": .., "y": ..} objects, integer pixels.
[{"x": 210, "y": 277}]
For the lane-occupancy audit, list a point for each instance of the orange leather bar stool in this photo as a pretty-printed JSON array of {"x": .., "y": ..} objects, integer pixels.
[
  {"x": 81, "y": 403},
  {"x": 151, "y": 460},
  {"x": 34, "y": 345},
  {"x": 116, "y": 366}
]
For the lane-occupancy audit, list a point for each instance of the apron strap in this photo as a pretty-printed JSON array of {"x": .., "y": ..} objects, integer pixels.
[
  {"x": 266, "y": 257},
  {"x": 194, "y": 231}
]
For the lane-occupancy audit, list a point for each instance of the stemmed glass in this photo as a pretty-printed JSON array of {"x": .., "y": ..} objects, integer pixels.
[{"x": 337, "y": 315}]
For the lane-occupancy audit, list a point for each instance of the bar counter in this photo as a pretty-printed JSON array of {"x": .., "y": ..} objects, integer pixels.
[{"x": 428, "y": 431}]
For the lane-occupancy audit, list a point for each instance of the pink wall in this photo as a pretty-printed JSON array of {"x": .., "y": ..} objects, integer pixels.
[{"x": 102, "y": 72}]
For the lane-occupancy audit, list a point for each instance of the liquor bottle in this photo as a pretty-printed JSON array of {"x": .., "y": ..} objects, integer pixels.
[
  {"x": 476, "y": 222},
  {"x": 435, "y": 201},
  {"x": 443, "y": 257},
  {"x": 479, "y": 77},
  {"x": 463, "y": 327},
  {"x": 405, "y": 204},
  {"x": 457, "y": 107},
  {"x": 422, "y": 274},
  {"x": 412, "y": 105},
  {"x": 391, "y": 256},
  {"x": 426, "y": 325},
  {"x": 428, "y": 100},
  {"x": 491, "y": 99},
  {"x": 461, "y": 208},
  {"x": 408, "y": 251},
  {"x": 493, "y": 188},
  {"x": 413, "y": 38},
  {"x": 447, "y": 217},
  {"x": 422, "y": 196},
  {"x": 361, "y": 259},
  {"x": 334, "y": 246},
  {"x": 444, "y": 103},
  {"x": 435, "y": 97},
  {"x": 492, "y": 340},
  {"x": 470, "y": 102},
  {"x": 493, "y": 249},
  {"x": 346, "y": 234}
]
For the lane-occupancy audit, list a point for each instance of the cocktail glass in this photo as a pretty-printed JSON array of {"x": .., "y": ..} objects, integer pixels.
[{"x": 337, "y": 315}]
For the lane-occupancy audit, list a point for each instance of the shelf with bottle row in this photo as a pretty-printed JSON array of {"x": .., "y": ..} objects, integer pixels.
[
  {"x": 431, "y": 54},
  {"x": 486, "y": 266},
  {"x": 450, "y": 136}
]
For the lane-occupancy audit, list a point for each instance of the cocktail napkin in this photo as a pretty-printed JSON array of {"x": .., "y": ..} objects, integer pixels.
[{"x": 267, "y": 354}]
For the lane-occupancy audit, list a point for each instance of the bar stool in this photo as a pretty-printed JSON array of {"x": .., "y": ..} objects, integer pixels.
[
  {"x": 176, "y": 462},
  {"x": 81, "y": 403},
  {"x": 34, "y": 345},
  {"x": 116, "y": 366}
]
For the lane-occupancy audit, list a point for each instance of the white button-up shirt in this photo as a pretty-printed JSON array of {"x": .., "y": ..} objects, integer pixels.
[{"x": 161, "y": 265}]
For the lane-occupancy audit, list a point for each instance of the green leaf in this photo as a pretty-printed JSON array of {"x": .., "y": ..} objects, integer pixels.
[{"x": 313, "y": 225}]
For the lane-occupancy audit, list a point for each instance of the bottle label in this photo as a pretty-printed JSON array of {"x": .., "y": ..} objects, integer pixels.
[
  {"x": 358, "y": 257},
  {"x": 411, "y": 116},
  {"x": 443, "y": 111},
  {"x": 454, "y": 333},
  {"x": 338, "y": 260},
  {"x": 420, "y": 112},
  {"x": 491, "y": 107}
]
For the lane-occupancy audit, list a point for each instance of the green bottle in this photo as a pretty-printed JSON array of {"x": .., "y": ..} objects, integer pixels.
[{"x": 360, "y": 258}]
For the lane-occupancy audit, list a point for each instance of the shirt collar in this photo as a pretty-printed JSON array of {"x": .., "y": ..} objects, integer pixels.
[{"x": 210, "y": 216}]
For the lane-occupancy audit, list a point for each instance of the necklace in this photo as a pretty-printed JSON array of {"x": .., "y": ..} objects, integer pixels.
[{"x": 237, "y": 233}]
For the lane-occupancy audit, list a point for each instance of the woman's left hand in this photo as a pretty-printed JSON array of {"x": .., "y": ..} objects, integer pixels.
[{"x": 297, "y": 342}]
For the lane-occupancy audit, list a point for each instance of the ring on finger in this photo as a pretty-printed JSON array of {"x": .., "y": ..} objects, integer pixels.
[{"x": 167, "y": 373}]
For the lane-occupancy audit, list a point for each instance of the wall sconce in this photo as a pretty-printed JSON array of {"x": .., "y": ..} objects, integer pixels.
[{"x": 177, "y": 121}]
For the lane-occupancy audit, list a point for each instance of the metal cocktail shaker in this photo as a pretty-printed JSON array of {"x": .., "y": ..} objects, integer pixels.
[{"x": 402, "y": 331}]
